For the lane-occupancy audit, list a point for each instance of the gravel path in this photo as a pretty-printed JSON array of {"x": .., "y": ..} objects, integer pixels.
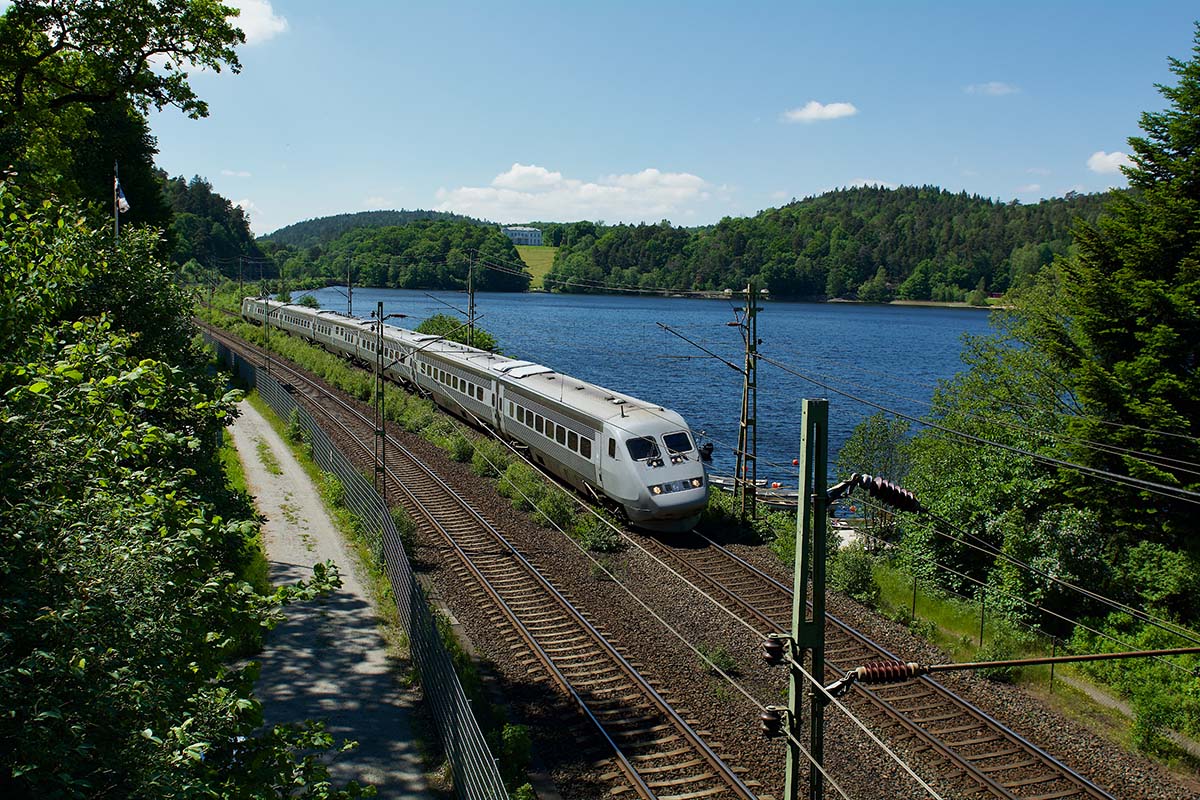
[{"x": 327, "y": 660}]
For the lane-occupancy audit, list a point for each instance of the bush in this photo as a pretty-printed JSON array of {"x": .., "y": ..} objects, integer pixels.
[
  {"x": 596, "y": 535},
  {"x": 490, "y": 458},
  {"x": 556, "y": 509},
  {"x": 295, "y": 431},
  {"x": 852, "y": 574},
  {"x": 1002, "y": 648},
  {"x": 717, "y": 659},
  {"x": 406, "y": 528},
  {"x": 522, "y": 485},
  {"x": 515, "y": 750},
  {"x": 460, "y": 448}
]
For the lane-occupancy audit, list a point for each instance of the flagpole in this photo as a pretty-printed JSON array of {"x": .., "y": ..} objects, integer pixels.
[{"x": 116, "y": 206}]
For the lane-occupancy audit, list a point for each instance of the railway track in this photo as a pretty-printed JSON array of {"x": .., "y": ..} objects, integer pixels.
[
  {"x": 967, "y": 747},
  {"x": 656, "y": 752}
]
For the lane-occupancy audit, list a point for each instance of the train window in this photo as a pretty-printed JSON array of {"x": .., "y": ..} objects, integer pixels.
[
  {"x": 642, "y": 448},
  {"x": 612, "y": 447},
  {"x": 560, "y": 434},
  {"x": 678, "y": 442},
  {"x": 549, "y": 429},
  {"x": 538, "y": 419},
  {"x": 573, "y": 440},
  {"x": 479, "y": 392},
  {"x": 585, "y": 447}
]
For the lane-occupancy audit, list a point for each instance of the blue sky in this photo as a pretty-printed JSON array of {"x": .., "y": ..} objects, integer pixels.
[{"x": 631, "y": 111}]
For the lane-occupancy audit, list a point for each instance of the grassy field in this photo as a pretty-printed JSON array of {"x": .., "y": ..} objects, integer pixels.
[{"x": 539, "y": 260}]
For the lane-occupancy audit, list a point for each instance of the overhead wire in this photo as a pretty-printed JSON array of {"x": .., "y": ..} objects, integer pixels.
[
  {"x": 976, "y": 581},
  {"x": 633, "y": 595},
  {"x": 1175, "y": 493},
  {"x": 604, "y": 520}
]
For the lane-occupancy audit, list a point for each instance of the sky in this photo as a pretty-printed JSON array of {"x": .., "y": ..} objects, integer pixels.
[{"x": 689, "y": 111}]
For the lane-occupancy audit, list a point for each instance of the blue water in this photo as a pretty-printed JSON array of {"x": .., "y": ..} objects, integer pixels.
[{"x": 891, "y": 355}]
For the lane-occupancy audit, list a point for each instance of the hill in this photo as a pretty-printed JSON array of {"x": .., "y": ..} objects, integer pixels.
[
  {"x": 872, "y": 243},
  {"x": 320, "y": 230}
]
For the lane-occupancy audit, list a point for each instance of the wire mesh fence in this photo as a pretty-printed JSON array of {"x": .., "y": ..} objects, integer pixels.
[{"x": 476, "y": 774}]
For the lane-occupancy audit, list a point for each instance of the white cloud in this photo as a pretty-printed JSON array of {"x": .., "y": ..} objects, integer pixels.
[
  {"x": 1038, "y": 171},
  {"x": 258, "y": 20},
  {"x": 531, "y": 177},
  {"x": 812, "y": 111},
  {"x": 992, "y": 88},
  {"x": 375, "y": 201},
  {"x": 1029, "y": 187},
  {"x": 252, "y": 211},
  {"x": 235, "y": 173},
  {"x": 528, "y": 192},
  {"x": 1108, "y": 163},
  {"x": 779, "y": 195}
]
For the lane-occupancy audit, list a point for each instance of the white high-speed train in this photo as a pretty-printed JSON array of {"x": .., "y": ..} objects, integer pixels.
[{"x": 639, "y": 455}]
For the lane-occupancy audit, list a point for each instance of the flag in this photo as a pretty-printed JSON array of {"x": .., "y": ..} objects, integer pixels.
[{"x": 122, "y": 203}]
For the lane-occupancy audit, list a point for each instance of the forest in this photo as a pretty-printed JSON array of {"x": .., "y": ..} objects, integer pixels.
[
  {"x": 422, "y": 254},
  {"x": 133, "y": 589},
  {"x": 318, "y": 231},
  {"x": 1061, "y": 468},
  {"x": 868, "y": 243}
]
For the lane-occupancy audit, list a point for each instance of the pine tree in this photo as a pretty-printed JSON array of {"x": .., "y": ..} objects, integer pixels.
[{"x": 1127, "y": 325}]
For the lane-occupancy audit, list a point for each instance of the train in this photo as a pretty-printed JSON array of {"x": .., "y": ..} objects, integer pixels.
[{"x": 638, "y": 457}]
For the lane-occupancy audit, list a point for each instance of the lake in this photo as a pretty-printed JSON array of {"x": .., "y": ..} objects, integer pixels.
[{"x": 890, "y": 355}]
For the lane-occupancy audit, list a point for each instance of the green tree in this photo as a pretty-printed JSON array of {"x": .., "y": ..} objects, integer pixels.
[
  {"x": 66, "y": 64},
  {"x": 876, "y": 289},
  {"x": 1125, "y": 324}
]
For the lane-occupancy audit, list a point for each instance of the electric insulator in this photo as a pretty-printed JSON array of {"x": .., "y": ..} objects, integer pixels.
[
  {"x": 772, "y": 652},
  {"x": 888, "y": 671},
  {"x": 771, "y": 723}
]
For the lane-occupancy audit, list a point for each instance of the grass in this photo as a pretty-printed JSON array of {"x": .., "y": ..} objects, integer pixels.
[
  {"x": 539, "y": 260},
  {"x": 256, "y": 571}
]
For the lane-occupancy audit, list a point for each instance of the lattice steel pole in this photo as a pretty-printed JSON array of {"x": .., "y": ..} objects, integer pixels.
[{"x": 808, "y": 602}]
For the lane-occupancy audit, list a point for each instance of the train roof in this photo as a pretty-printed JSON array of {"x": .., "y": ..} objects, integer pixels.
[{"x": 536, "y": 379}]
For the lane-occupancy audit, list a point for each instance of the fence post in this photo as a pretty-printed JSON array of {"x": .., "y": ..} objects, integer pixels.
[
  {"x": 982, "y": 611},
  {"x": 913, "y": 617},
  {"x": 1053, "y": 652}
]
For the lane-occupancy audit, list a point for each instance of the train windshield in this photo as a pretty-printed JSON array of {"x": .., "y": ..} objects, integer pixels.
[
  {"x": 678, "y": 442},
  {"x": 642, "y": 448}
]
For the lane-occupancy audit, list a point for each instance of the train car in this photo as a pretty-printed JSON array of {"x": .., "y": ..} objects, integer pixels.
[{"x": 638, "y": 456}]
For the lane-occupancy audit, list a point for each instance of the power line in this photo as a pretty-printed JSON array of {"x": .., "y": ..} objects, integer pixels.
[{"x": 1172, "y": 492}]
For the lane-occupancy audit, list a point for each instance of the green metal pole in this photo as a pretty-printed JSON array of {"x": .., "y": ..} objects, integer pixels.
[{"x": 808, "y": 626}]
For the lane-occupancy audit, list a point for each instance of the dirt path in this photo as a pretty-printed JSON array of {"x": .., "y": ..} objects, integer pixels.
[{"x": 327, "y": 660}]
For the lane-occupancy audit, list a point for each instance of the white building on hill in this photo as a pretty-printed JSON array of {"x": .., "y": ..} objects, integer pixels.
[{"x": 521, "y": 234}]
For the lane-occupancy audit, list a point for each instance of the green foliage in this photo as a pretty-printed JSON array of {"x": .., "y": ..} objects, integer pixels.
[
  {"x": 594, "y": 534},
  {"x": 210, "y": 229},
  {"x": 122, "y": 602},
  {"x": 876, "y": 289},
  {"x": 79, "y": 80},
  {"x": 833, "y": 245},
  {"x": 515, "y": 750},
  {"x": 522, "y": 485},
  {"x": 308, "y": 301},
  {"x": 295, "y": 430},
  {"x": 314, "y": 233},
  {"x": 851, "y": 573},
  {"x": 717, "y": 659},
  {"x": 490, "y": 458},
  {"x": 556, "y": 509},
  {"x": 456, "y": 331},
  {"x": 419, "y": 254},
  {"x": 876, "y": 446}
]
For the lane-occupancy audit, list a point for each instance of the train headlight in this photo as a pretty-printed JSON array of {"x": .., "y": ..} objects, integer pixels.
[
  {"x": 656, "y": 489},
  {"x": 697, "y": 482}
]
